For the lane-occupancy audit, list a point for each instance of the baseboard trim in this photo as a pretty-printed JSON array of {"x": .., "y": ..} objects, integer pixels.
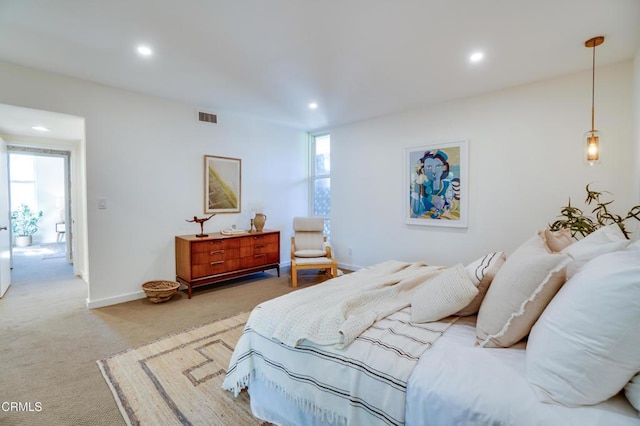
[
  {"x": 100, "y": 303},
  {"x": 349, "y": 267},
  {"x": 92, "y": 304}
]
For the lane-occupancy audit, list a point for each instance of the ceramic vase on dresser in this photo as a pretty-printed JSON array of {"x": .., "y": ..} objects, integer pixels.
[{"x": 259, "y": 221}]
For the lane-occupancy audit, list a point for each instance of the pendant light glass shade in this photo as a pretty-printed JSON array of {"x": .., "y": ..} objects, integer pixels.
[
  {"x": 592, "y": 148},
  {"x": 592, "y": 137}
]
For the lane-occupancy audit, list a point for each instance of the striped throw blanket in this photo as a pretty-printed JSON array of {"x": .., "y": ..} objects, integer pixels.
[{"x": 364, "y": 383}]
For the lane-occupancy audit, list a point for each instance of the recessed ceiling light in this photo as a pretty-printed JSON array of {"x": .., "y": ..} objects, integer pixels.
[
  {"x": 40, "y": 128},
  {"x": 313, "y": 105},
  {"x": 476, "y": 57},
  {"x": 144, "y": 50}
]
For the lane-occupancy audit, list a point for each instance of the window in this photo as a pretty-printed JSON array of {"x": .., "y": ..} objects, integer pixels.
[
  {"x": 320, "y": 182},
  {"x": 22, "y": 180}
]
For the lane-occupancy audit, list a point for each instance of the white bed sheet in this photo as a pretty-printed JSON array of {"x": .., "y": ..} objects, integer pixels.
[{"x": 456, "y": 383}]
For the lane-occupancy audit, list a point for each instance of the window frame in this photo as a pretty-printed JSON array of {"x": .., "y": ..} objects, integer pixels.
[{"x": 313, "y": 176}]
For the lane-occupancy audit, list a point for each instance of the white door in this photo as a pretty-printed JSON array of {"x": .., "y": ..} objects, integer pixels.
[{"x": 5, "y": 235}]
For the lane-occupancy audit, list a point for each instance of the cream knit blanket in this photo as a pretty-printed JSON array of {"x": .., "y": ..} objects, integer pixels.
[{"x": 339, "y": 310}]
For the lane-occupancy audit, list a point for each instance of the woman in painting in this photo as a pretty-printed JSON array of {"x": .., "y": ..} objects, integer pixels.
[
  {"x": 436, "y": 191},
  {"x": 418, "y": 178}
]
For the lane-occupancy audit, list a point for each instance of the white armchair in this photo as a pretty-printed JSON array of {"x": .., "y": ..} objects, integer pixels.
[{"x": 309, "y": 248}]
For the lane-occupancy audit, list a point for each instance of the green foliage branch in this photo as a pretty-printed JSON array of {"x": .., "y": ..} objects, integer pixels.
[{"x": 577, "y": 222}]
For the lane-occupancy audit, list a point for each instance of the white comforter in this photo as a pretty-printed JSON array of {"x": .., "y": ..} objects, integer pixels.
[{"x": 457, "y": 383}]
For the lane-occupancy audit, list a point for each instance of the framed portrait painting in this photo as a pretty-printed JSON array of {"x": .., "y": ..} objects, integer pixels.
[
  {"x": 436, "y": 184},
  {"x": 222, "y": 184}
]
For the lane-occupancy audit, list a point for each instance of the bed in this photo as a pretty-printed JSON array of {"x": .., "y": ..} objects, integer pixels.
[{"x": 358, "y": 350}]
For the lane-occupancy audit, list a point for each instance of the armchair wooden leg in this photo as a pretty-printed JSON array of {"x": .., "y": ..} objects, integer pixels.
[{"x": 294, "y": 278}]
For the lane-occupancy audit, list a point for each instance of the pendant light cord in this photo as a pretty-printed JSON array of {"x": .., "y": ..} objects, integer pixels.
[{"x": 593, "y": 88}]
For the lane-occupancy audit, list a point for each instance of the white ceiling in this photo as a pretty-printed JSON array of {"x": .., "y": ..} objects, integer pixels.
[{"x": 356, "y": 58}]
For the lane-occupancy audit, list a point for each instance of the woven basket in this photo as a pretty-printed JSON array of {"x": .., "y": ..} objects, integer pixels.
[{"x": 160, "y": 291}]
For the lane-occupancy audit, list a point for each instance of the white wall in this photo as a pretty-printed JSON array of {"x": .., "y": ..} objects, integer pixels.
[
  {"x": 525, "y": 160},
  {"x": 145, "y": 156},
  {"x": 636, "y": 121}
]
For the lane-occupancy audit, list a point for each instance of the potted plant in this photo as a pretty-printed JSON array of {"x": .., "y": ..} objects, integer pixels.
[{"x": 24, "y": 223}]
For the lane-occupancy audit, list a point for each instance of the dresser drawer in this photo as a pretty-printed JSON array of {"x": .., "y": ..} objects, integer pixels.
[
  {"x": 205, "y": 246},
  {"x": 214, "y": 245},
  {"x": 259, "y": 245},
  {"x": 214, "y": 255},
  {"x": 258, "y": 259},
  {"x": 259, "y": 239},
  {"x": 214, "y": 267}
]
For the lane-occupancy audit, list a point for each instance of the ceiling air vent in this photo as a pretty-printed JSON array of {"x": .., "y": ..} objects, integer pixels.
[{"x": 206, "y": 117}]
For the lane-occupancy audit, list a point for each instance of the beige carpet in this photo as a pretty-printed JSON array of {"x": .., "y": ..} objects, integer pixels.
[
  {"x": 177, "y": 380},
  {"x": 51, "y": 341},
  {"x": 53, "y": 250}
]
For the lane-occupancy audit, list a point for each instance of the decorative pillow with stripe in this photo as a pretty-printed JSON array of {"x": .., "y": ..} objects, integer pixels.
[
  {"x": 481, "y": 273},
  {"x": 520, "y": 291}
]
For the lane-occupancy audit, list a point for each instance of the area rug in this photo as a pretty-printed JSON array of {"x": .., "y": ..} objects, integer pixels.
[{"x": 178, "y": 379}]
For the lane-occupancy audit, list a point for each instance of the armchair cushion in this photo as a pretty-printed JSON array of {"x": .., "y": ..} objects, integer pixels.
[
  {"x": 306, "y": 261},
  {"x": 309, "y": 241},
  {"x": 308, "y": 224},
  {"x": 310, "y": 253}
]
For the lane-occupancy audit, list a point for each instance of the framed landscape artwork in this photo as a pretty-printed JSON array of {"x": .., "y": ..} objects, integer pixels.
[
  {"x": 436, "y": 188},
  {"x": 222, "y": 184}
]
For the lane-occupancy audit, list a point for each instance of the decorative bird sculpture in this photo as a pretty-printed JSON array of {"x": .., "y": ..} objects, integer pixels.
[{"x": 201, "y": 221}]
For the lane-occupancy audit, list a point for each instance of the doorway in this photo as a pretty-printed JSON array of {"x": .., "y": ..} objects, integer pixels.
[
  {"x": 40, "y": 188},
  {"x": 45, "y": 133}
]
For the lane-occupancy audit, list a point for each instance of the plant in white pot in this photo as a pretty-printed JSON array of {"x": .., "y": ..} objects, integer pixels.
[{"x": 24, "y": 223}]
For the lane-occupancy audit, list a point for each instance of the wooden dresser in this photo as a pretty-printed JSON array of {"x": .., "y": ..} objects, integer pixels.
[{"x": 218, "y": 257}]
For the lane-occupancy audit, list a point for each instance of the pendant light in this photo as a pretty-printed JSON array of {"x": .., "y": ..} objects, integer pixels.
[{"x": 592, "y": 149}]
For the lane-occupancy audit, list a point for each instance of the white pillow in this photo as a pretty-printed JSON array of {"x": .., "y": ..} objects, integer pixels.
[
  {"x": 443, "y": 295},
  {"x": 520, "y": 291},
  {"x": 482, "y": 272},
  {"x": 632, "y": 391},
  {"x": 634, "y": 245},
  {"x": 586, "y": 347},
  {"x": 605, "y": 240}
]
